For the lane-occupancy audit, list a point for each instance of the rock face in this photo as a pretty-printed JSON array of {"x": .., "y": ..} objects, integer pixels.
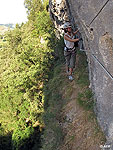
[{"x": 95, "y": 20}]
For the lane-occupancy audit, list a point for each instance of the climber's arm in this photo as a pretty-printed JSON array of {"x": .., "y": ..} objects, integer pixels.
[
  {"x": 75, "y": 32},
  {"x": 69, "y": 39}
]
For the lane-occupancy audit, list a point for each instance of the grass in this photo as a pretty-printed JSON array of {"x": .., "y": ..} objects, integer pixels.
[
  {"x": 53, "y": 134},
  {"x": 57, "y": 93},
  {"x": 81, "y": 73},
  {"x": 85, "y": 99}
]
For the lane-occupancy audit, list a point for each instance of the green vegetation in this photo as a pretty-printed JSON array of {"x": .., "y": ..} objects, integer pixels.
[
  {"x": 52, "y": 136},
  {"x": 58, "y": 92},
  {"x": 25, "y": 61},
  {"x": 85, "y": 97},
  {"x": 82, "y": 71}
]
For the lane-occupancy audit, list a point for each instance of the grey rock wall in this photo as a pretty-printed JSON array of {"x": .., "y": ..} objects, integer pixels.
[{"x": 95, "y": 20}]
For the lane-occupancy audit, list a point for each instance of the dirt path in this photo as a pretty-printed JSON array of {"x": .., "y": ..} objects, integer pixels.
[{"x": 80, "y": 127}]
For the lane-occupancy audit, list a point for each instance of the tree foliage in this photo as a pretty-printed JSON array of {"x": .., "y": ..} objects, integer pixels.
[
  {"x": 33, "y": 7},
  {"x": 25, "y": 61}
]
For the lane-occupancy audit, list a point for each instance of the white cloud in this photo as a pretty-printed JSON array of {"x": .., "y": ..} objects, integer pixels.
[{"x": 12, "y": 11}]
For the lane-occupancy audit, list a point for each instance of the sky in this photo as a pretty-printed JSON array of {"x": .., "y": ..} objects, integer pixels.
[{"x": 12, "y": 11}]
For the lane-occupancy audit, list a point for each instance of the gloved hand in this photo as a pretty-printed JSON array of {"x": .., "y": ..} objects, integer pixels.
[{"x": 80, "y": 39}]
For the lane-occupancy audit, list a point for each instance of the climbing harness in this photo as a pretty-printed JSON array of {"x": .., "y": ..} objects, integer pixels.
[
  {"x": 69, "y": 49},
  {"x": 70, "y": 52}
]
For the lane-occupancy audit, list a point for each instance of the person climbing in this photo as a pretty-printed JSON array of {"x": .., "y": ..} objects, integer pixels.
[{"x": 69, "y": 49}]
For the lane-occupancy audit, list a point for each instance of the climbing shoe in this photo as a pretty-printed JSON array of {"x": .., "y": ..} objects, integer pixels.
[{"x": 71, "y": 78}]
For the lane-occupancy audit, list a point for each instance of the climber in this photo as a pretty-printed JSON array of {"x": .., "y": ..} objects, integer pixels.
[{"x": 69, "y": 49}]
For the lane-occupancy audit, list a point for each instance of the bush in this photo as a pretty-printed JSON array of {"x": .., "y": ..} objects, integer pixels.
[{"x": 20, "y": 137}]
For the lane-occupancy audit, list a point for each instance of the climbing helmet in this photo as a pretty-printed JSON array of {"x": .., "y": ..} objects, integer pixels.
[{"x": 66, "y": 25}]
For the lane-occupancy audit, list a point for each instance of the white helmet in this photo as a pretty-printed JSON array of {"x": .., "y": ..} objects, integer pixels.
[{"x": 66, "y": 25}]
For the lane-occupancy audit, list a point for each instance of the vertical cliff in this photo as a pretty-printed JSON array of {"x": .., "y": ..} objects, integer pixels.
[{"x": 95, "y": 20}]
